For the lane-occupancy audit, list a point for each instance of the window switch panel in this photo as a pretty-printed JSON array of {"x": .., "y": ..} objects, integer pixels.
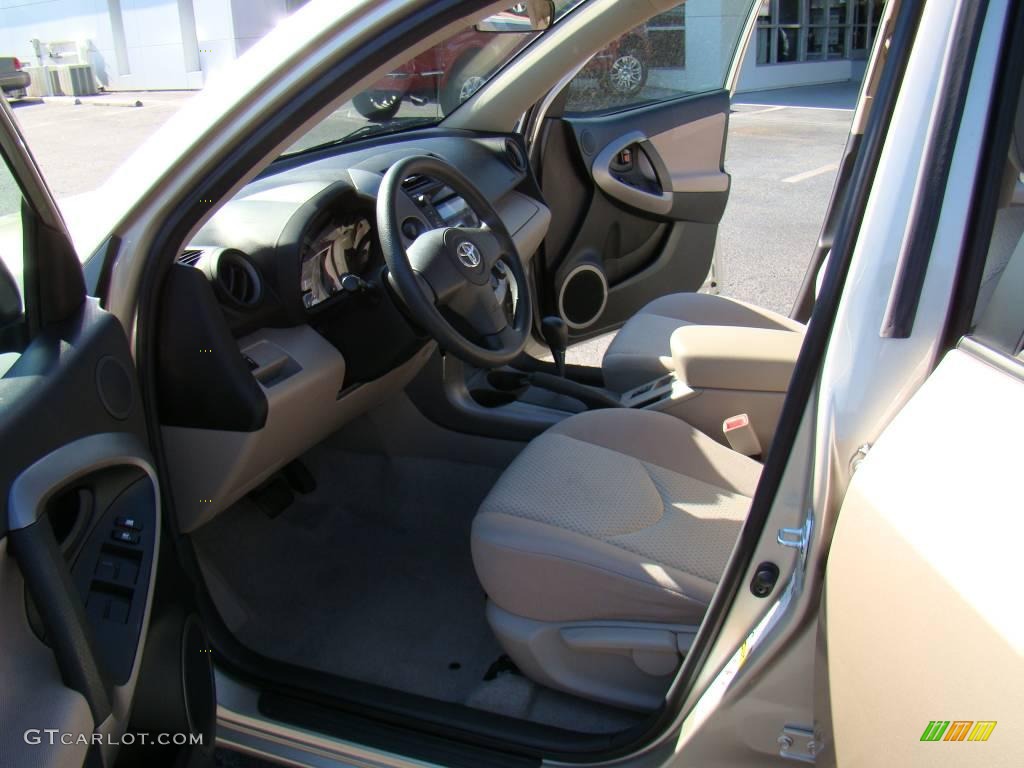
[{"x": 124, "y": 536}]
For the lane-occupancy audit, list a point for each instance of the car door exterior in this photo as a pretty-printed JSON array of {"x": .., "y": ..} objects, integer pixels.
[
  {"x": 630, "y": 159},
  {"x": 80, "y": 512},
  {"x": 921, "y": 609}
]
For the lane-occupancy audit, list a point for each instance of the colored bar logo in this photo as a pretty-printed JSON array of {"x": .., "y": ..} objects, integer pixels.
[{"x": 958, "y": 730}]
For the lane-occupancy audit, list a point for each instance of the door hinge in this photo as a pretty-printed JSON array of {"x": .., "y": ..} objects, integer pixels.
[
  {"x": 798, "y": 743},
  {"x": 858, "y": 456}
]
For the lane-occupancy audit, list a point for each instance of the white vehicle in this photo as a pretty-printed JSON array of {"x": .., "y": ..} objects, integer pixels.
[{"x": 285, "y": 470}]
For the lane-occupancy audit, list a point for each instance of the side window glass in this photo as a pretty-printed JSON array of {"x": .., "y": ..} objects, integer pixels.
[
  {"x": 999, "y": 312},
  {"x": 11, "y": 270},
  {"x": 674, "y": 54}
]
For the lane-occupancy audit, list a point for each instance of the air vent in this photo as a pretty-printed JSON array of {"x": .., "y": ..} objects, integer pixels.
[
  {"x": 416, "y": 184},
  {"x": 238, "y": 279},
  {"x": 514, "y": 155},
  {"x": 189, "y": 257}
]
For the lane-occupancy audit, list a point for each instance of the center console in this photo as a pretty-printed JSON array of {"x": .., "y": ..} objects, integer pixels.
[
  {"x": 717, "y": 372},
  {"x": 722, "y": 371}
]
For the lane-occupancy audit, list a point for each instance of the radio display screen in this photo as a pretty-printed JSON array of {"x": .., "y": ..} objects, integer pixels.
[{"x": 454, "y": 212}]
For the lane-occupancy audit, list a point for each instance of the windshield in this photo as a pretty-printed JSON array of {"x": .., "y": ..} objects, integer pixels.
[{"x": 426, "y": 88}]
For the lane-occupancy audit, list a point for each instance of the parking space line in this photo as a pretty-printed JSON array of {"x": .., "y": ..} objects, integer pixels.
[
  {"x": 797, "y": 178},
  {"x": 757, "y": 111}
]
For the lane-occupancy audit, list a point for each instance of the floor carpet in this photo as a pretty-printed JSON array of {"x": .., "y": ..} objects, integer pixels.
[{"x": 370, "y": 577}]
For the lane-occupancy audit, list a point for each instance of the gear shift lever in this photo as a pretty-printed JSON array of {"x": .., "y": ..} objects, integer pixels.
[{"x": 556, "y": 334}]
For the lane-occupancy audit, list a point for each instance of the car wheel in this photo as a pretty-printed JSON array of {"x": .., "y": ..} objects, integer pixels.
[
  {"x": 377, "y": 105},
  {"x": 459, "y": 87},
  {"x": 627, "y": 74}
]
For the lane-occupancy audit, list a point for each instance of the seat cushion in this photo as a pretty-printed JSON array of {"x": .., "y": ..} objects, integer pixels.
[
  {"x": 613, "y": 514},
  {"x": 642, "y": 350}
]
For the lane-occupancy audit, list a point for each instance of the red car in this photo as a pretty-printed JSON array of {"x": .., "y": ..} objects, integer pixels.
[
  {"x": 14, "y": 81},
  {"x": 453, "y": 71}
]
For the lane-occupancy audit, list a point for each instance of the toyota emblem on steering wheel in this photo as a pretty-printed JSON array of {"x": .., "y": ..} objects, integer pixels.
[{"x": 468, "y": 254}]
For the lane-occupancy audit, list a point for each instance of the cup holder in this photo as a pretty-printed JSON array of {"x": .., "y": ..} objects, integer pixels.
[{"x": 500, "y": 388}]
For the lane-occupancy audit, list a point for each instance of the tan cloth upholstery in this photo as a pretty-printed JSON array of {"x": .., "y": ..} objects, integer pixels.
[
  {"x": 613, "y": 514},
  {"x": 642, "y": 349}
]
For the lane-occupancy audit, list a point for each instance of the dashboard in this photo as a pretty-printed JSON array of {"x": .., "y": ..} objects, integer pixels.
[
  {"x": 278, "y": 324},
  {"x": 302, "y": 238}
]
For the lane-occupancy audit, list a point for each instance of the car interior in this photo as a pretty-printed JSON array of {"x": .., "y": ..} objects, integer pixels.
[
  {"x": 340, "y": 481},
  {"x": 394, "y": 487}
]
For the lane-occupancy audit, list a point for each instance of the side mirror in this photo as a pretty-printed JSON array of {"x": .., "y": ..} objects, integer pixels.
[{"x": 529, "y": 16}]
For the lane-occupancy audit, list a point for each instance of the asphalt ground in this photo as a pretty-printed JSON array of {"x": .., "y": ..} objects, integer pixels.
[
  {"x": 783, "y": 162},
  {"x": 783, "y": 150}
]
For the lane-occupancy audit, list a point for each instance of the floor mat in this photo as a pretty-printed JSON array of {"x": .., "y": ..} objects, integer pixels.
[{"x": 370, "y": 577}]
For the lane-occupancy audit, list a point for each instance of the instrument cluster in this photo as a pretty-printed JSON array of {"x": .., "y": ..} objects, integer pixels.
[{"x": 336, "y": 257}]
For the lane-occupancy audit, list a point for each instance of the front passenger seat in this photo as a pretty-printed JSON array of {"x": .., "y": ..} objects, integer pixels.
[
  {"x": 642, "y": 350},
  {"x": 601, "y": 546}
]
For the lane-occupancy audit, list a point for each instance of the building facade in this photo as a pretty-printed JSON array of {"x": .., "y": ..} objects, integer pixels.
[
  {"x": 179, "y": 44},
  {"x": 806, "y": 42},
  {"x": 137, "y": 44}
]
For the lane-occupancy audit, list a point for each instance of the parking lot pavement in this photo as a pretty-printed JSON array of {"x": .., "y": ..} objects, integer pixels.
[
  {"x": 783, "y": 150},
  {"x": 79, "y": 146},
  {"x": 783, "y": 162}
]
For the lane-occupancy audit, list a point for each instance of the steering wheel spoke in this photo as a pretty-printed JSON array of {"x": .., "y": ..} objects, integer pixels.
[
  {"x": 428, "y": 259},
  {"x": 480, "y": 308},
  {"x": 502, "y": 339}
]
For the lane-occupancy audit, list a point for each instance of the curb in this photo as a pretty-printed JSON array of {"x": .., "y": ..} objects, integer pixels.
[{"x": 87, "y": 101}]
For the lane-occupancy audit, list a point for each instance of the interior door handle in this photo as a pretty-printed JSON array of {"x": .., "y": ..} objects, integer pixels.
[
  {"x": 42, "y": 564},
  {"x": 32, "y": 488},
  {"x": 615, "y": 186}
]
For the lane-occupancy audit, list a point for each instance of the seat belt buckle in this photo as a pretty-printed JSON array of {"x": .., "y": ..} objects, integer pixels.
[{"x": 741, "y": 435}]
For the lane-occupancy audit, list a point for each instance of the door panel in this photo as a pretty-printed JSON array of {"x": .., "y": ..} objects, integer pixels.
[
  {"x": 34, "y": 695},
  {"x": 79, "y": 518},
  {"x": 78, "y": 464},
  {"x": 636, "y": 198}
]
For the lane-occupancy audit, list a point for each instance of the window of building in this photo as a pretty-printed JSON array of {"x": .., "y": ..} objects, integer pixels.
[{"x": 816, "y": 30}]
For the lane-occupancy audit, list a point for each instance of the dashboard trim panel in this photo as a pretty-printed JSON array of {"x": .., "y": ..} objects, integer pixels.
[{"x": 212, "y": 469}]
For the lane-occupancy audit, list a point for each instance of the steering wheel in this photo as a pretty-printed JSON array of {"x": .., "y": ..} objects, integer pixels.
[{"x": 448, "y": 277}]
